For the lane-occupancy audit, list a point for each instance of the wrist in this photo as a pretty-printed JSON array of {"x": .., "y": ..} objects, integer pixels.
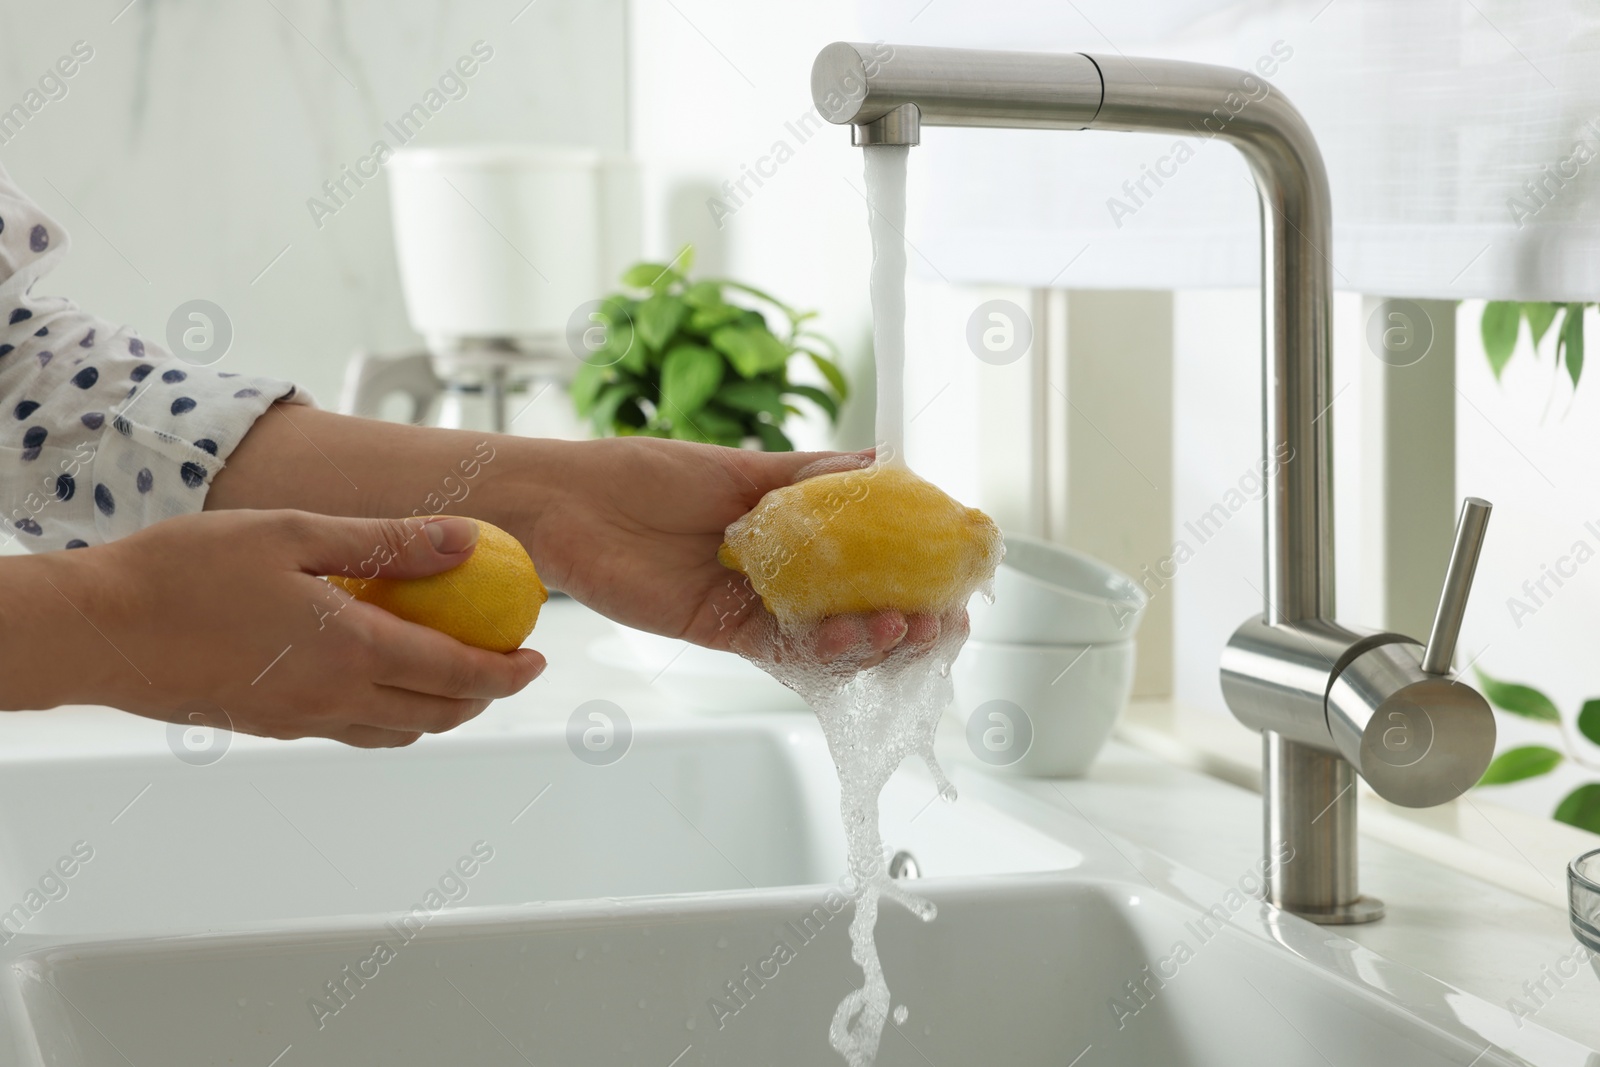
[
  {"x": 53, "y": 648},
  {"x": 520, "y": 487}
]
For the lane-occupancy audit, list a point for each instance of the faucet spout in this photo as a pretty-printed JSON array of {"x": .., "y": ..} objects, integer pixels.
[
  {"x": 1282, "y": 668},
  {"x": 871, "y": 88}
]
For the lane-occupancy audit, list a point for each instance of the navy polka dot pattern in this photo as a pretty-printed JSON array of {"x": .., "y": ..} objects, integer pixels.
[{"x": 86, "y": 456}]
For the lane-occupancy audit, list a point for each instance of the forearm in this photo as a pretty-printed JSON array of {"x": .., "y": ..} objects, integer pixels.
[{"x": 334, "y": 464}]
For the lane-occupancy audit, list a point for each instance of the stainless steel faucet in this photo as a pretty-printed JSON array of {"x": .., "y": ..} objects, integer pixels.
[{"x": 1329, "y": 701}]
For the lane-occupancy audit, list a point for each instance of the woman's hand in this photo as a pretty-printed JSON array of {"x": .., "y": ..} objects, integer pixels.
[
  {"x": 632, "y": 529},
  {"x": 224, "y": 611}
]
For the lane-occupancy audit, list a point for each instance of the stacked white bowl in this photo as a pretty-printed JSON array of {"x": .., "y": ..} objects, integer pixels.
[{"x": 1050, "y": 662}]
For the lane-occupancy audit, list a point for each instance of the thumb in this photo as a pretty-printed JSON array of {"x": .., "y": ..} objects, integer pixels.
[{"x": 386, "y": 548}]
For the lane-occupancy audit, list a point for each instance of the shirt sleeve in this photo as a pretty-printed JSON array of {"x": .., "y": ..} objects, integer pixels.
[{"x": 101, "y": 433}]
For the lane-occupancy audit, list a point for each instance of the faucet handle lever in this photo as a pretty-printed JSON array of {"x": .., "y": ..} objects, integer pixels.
[{"x": 1457, "y": 585}]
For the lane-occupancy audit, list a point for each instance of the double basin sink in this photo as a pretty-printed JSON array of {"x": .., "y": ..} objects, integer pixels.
[{"x": 501, "y": 901}]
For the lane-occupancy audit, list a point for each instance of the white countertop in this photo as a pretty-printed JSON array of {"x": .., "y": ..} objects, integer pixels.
[{"x": 1485, "y": 935}]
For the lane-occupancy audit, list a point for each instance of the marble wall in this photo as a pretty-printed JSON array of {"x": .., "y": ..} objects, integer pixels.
[{"x": 185, "y": 154}]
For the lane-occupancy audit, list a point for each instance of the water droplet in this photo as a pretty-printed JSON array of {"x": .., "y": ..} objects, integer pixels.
[
  {"x": 578, "y": 955},
  {"x": 901, "y": 1014},
  {"x": 722, "y": 942},
  {"x": 689, "y": 1023}
]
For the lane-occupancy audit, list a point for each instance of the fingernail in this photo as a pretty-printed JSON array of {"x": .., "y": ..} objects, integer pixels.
[{"x": 451, "y": 535}]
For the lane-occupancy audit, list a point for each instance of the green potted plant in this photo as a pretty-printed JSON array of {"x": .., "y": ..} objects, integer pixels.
[
  {"x": 1580, "y": 807},
  {"x": 671, "y": 357}
]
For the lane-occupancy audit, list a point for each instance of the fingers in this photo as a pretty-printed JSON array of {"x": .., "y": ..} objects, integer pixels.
[
  {"x": 421, "y": 660},
  {"x": 833, "y": 464},
  {"x": 403, "y": 711},
  {"x": 374, "y": 737},
  {"x": 372, "y": 548}
]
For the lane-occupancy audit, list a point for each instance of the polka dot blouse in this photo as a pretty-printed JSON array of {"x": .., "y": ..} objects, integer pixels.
[{"x": 101, "y": 433}]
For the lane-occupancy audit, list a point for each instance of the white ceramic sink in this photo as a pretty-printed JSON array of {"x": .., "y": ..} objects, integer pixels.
[
  {"x": 596, "y": 915},
  {"x": 1017, "y": 971},
  {"x": 315, "y": 830}
]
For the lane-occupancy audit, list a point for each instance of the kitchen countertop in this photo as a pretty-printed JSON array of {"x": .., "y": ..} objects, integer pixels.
[{"x": 1493, "y": 935}]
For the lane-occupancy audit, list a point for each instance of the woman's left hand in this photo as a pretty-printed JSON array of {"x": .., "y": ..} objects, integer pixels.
[{"x": 632, "y": 530}]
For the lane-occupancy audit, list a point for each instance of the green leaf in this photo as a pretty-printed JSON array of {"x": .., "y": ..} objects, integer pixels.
[
  {"x": 704, "y": 295},
  {"x": 790, "y": 313},
  {"x": 1581, "y": 808},
  {"x": 709, "y": 427},
  {"x": 1572, "y": 340},
  {"x": 753, "y": 395},
  {"x": 657, "y": 318},
  {"x": 1589, "y": 720},
  {"x": 704, "y": 320},
  {"x": 1518, "y": 699},
  {"x": 751, "y": 349},
  {"x": 817, "y": 397},
  {"x": 657, "y": 276},
  {"x": 624, "y": 349},
  {"x": 772, "y": 438},
  {"x": 586, "y": 385},
  {"x": 1501, "y": 320},
  {"x": 1515, "y": 764},
  {"x": 689, "y": 377},
  {"x": 830, "y": 370},
  {"x": 604, "y": 415},
  {"x": 1540, "y": 314}
]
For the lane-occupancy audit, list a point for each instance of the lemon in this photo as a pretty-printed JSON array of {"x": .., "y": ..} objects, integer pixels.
[
  {"x": 491, "y": 601},
  {"x": 858, "y": 541}
]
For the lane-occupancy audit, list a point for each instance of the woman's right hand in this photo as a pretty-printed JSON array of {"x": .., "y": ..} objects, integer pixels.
[{"x": 224, "y": 610}]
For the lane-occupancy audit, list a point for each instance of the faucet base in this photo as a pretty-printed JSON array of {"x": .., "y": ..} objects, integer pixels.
[{"x": 1361, "y": 910}]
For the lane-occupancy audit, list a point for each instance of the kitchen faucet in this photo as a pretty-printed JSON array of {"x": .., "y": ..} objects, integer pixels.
[{"x": 1330, "y": 701}]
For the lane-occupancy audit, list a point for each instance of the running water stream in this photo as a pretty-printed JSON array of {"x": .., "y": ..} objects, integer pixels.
[
  {"x": 886, "y": 208},
  {"x": 874, "y": 718}
]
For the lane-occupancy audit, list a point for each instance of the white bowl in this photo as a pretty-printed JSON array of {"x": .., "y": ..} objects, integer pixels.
[
  {"x": 1047, "y": 594},
  {"x": 1041, "y": 710},
  {"x": 699, "y": 679}
]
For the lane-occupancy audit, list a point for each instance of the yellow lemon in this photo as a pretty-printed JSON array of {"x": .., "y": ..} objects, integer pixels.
[
  {"x": 862, "y": 541},
  {"x": 491, "y": 601}
]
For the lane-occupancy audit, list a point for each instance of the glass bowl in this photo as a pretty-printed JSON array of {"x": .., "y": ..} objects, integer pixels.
[{"x": 1583, "y": 894}]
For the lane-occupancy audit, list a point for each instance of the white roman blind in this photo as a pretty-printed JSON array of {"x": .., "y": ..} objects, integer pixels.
[{"x": 1461, "y": 137}]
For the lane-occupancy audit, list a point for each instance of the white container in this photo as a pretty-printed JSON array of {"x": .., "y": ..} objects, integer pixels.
[
  {"x": 1047, "y": 594},
  {"x": 1041, "y": 710},
  {"x": 508, "y": 241}
]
